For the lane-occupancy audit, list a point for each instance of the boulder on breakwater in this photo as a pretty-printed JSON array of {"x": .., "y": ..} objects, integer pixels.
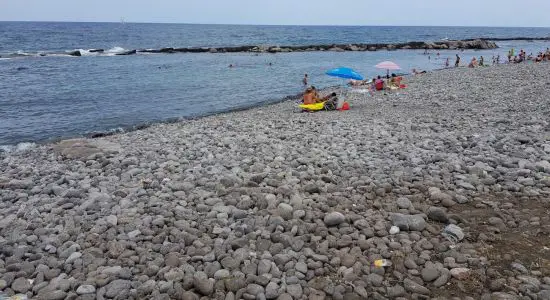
[{"x": 75, "y": 53}]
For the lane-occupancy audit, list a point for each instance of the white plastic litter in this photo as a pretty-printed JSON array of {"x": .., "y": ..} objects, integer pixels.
[
  {"x": 394, "y": 230},
  {"x": 453, "y": 233}
]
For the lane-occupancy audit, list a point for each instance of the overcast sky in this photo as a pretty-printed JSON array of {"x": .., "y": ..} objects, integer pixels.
[{"x": 286, "y": 12}]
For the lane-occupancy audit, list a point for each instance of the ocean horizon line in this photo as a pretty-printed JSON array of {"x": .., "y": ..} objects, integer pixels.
[{"x": 266, "y": 25}]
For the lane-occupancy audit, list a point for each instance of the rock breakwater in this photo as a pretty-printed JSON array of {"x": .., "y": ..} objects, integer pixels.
[{"x": 463, "y": 44}]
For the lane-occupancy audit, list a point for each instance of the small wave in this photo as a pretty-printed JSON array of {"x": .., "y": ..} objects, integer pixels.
[
  {"x": 17, "y": 148},
  {"x": 4, "y": 58},
  {"x": 19, "y": 53},
  {"x": 85, "y": 52},
  {"x": 115, "y": 50},
  {"x": 60, "y": 55},
  {"x": 108, "y": 132},
  {"x": 23, "y": 53},
  {"x": 91, "y": 52},
  {"x": 117, "y": 130}
]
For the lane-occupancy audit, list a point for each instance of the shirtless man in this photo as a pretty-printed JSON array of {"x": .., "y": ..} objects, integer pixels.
[
  {"x": 309, "y": 96},
  {"x": 316, "y": 96}
]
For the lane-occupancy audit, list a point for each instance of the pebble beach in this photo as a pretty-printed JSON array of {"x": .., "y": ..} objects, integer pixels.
[{"x": 272, "y": 203}]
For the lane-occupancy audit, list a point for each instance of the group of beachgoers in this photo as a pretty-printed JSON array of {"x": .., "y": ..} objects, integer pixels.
[
  {"x": 512, "y": 58},
  {"x": 311, "y": 96},
  {"x": 392, "y": 82},
  {"x": 523, "y": 57}
]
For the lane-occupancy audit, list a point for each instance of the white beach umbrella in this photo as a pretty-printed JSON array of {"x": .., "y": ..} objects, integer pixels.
[{"x": 388, "y": 65}]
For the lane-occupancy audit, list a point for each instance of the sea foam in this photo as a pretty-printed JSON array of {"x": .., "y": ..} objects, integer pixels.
[
  {"x": 17, "y": 148},
  {"x": 115, "y": 50}
]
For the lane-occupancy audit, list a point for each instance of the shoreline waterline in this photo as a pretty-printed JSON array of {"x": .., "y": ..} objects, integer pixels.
[
  {"x": 21, "y": 146},
  {"x": 24, "y": 145}
]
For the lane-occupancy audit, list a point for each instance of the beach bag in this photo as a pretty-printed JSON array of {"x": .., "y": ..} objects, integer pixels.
[{"x": 345, "y": 106}]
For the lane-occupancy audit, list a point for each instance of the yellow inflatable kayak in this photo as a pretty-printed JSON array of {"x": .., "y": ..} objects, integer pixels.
[{"x": 313, "y": 107}]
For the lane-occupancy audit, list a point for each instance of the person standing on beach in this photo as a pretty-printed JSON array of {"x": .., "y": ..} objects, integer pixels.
[
  {"x": 447, "y": 63},
  {"x": 457, "y": 62},
  {"x": 304, "y": 81},
  {"x": 481, "y": 61}
]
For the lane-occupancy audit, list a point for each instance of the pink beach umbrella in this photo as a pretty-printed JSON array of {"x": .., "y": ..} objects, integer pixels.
[{"x": 388, "y": 65}]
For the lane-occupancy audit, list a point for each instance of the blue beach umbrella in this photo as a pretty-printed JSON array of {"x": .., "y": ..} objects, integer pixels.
[{"x": 346, "y": 73}]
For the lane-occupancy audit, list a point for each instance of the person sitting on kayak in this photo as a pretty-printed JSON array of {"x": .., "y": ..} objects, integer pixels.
[
  {"x": 316, "y": 96},
  {"x": 309, "y": 96}
]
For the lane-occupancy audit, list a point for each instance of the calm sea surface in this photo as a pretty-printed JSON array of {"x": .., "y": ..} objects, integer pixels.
[{"x": 57, "y": 96}]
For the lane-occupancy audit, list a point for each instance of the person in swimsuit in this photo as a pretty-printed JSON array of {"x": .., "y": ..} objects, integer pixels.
[
  {"x": 457, "y": 62},
  {"x": 473, "y": 63},
  {"x": 304, "y": 80},
  {"x": 309, "y": 96},
  {"x": 395, "y": 81},
  {"x": 316, "y": 96}
]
